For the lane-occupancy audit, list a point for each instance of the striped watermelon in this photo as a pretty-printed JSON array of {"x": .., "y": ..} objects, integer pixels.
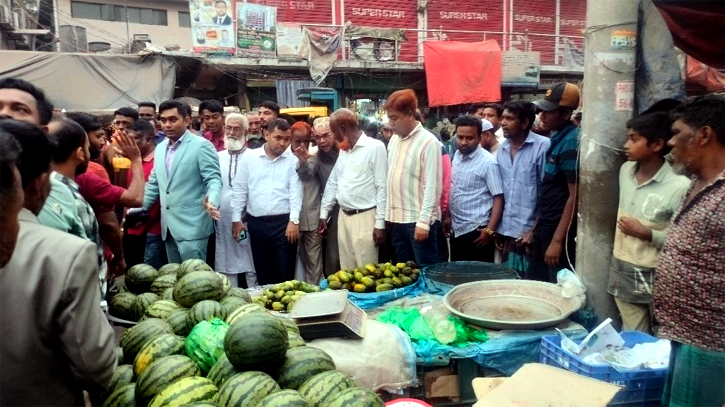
[
  {"x": 161, "y": 308},
  {"x": 168, "y": 294},
  {"x": 295, "y": 341},
  {"x": 320, "y": 387},
  {"x": 226, "y": 284},
  {"x": 120, "y": 306},
  {"x": 171, "y": 268},
  {"x": 162, "y": 345},
  {"x": 205, "y": 343},
  {"x": 257, "y": 341},
  {"x": 140, "y": 277},
  {"x": 354, "y": 398},
  {"x": 122, "y": 376},
  {"x": 241, "y": 293},
  {"x": 142, "y": 301},
  {"x": 285, "y": 398},
  {"x": 198, "y": 286},
  {"x": 290, "y": 325},
  {"x": 221, "y": 371},
  {"x": 231, "y": 303},
  {"x": 244, "y": 310},
  {"x": 162, "y": 373},
  {"x": 124, "y": 396},
  {"x": 301, "y": 364},
  {"x": 205, "y": 403},
  {"x": 192, "y": 265},
  {"x": 246, "y": 389},
  {"x": 179, "y": 321},
  {"x": 205, "y": 311},
  {"x": 184, "y": 392},
  {"x": 162, "y": 283},
  {"x": 134, "y": 338}
]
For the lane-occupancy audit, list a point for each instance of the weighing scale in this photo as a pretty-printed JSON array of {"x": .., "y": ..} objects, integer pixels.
[{"x": 328, "y": 314}]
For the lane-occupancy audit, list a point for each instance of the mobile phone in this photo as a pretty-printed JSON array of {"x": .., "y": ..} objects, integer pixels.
[{"x": 242, "y": 236}]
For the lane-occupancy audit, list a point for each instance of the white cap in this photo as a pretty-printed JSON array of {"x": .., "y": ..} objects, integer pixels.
[{"x": 486, "y": 125}]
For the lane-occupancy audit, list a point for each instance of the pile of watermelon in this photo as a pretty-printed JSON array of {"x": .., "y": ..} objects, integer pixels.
[{"x": 257, "y": 359}]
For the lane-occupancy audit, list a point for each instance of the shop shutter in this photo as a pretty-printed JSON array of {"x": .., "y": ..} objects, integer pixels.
[
  {"x": 387, "y": 14},
  {"x": 538, "y": 17},
  {"x": 466, "y": 15}
]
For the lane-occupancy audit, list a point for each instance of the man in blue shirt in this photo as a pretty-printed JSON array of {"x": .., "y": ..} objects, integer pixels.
[
  {"x": 521, "y": 159},
  {"x": 476, "y": 199},
  {"x": 554, "y": 246}
]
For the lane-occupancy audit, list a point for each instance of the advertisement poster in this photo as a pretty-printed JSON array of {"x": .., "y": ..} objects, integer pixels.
[
  {"x": 289, "y": 39},
  {"x": 520, "y": 68},
  {"x": 256, "y": 31},
  {"x": 212, "y": 26}
]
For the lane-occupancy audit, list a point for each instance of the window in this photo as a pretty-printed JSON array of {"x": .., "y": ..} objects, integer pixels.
[
  {"x": 110, "y": 12},
  {"x": 184, "y": 19}
]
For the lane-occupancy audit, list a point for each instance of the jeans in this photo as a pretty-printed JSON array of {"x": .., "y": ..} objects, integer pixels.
[
  {"x": 406, "y": 248},
  {"x": 155, "y": 251}
]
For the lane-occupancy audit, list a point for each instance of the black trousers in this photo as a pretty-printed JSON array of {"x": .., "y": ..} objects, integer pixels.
[
  {"x": 463, "y": 248},
  {"x": 543, "y": 235},
  {"x": 274, "y": 257}
]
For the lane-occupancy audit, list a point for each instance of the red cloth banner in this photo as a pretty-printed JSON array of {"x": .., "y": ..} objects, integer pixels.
[{"x": 462, "y": 72}]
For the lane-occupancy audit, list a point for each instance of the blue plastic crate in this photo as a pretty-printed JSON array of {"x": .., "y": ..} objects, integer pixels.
[{"x": 641, "y": 387}]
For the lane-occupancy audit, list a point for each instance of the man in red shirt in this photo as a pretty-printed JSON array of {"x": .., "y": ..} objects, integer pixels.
[
  {"x": 212, "y": 112},
  {"x": 142, "y": 242}
]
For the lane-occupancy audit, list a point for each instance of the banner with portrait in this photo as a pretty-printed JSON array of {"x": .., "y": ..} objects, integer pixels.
[
  {"x": 256, "y": 31},
  {"x": 212, "y": 26}
]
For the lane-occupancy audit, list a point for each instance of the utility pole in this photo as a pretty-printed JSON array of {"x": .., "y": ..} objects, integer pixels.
[{"x": 608, "y": 101}]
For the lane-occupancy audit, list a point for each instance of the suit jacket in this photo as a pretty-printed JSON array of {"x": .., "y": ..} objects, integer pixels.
[
  {"x": 194, "y": 175},
  {"x": 225, "y": 21},
  {"x": 55, "y": 340}
]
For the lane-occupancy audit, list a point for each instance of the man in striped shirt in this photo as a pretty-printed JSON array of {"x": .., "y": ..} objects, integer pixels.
[{"x": 414, "y": 182}]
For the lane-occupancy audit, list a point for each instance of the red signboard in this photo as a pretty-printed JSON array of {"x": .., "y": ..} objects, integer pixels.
[
  {"x": 300, "y": 11},
  {"x": 465, "y": 15},
  {"x": 387, "y": 14},
  {"x": 573, "y": 18},
  {"x": 538, "y": 17}
]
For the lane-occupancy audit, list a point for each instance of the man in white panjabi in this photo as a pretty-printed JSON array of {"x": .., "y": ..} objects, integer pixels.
[{"x": 233, "y": 256}]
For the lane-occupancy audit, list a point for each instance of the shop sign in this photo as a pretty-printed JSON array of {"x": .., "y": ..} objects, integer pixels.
[
  {"x": 212, "y": 26},
  {"x": 256, "y": 28},
  {"x": 520, "y": 69}
]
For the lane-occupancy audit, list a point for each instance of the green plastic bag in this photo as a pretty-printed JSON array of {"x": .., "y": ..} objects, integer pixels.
[
  {"x": 205, "y": 343},
  {"x": 411, "y": 322}
]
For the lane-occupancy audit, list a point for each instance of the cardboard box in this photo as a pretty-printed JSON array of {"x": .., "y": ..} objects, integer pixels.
[
  {"x": 536, "y": 384},
  {"x": 441, "y": 384}
]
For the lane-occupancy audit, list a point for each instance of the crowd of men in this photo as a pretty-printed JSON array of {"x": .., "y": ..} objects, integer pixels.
[{"x": 256, "y": 194}]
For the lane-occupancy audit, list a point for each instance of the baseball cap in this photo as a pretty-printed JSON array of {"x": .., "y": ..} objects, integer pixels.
[
  {"x": 486, "y": 125},
  {"x": 561, "y": 95}
]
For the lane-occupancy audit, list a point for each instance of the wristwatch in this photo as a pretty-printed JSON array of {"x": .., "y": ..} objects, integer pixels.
[
  {"x": 490, "y": 231},
  {"x": 295, "y": 221}
]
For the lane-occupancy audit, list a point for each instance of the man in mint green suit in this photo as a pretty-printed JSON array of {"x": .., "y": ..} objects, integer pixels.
[{"x": 187, "y": 180}]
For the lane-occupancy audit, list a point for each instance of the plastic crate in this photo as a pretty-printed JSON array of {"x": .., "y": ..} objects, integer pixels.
[{"x": 641, "y": 387}]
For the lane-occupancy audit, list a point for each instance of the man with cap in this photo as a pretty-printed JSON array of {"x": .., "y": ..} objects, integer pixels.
[
  {"x": 489, "y": 142},
  {"x": 553, "y": 238}
]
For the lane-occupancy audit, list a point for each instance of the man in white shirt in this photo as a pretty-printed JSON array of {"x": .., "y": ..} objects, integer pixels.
[
  {"x": 269, "y": 190},
  {"x": 357, "y": 183}
]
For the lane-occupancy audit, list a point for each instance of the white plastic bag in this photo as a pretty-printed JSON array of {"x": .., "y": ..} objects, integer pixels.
[{"x": 570, "y": 284}]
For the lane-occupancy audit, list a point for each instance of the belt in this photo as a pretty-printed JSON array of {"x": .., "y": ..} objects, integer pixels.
[
  {"x": 271, "y": 218},
  {"x": 351, "y": 212}
]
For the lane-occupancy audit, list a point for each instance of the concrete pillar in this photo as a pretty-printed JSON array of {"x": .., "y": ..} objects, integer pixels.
[{"x": 608, "y": 102}]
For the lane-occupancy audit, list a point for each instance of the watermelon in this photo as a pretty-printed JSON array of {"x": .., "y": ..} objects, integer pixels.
[
  {"x": 231, "y": 303},
  {"x": 171, "y": 268},
  {"x": 354, "y": 398},
  {"x": 290, "y": 325},
  {"x": 244, "y": 310},
  {"x": 205, "y": 343},
  {"x": 320, "y": 387},
  {"x": 246, "y": 389},
  {"x": 122, "y": 376},
  {"x": 285, "y": 398},
  {"x": 221, "y": 371},
  {"x": 241, "y": 293},
  {"x": 256, "y": 341},
  {"x": 205, "y": 311},
  {"x": 162, "y": 373},
  {"x": 205, "y": 403},
  {"x": 162, "y": 283},
  {"x": 198, "y": 286},
  {"x": 161, "y": 308},
  {"x": 134, "y": 338},
  {"x": 301, "y": 364},
  {"x": 162, "y": 345},
  {"x": 124, "y": 396},
  {"x": 295, "y": 341},
  {"x": 119, "y": 355},
  {"x": 184, "y": 392},
  {"x": 140, "y": 277},
  {"x": 226, "y": 284},
  {"x": 168, "y": 294},
  {"x": 192, "y": 265},
  {"x": 179, "y": 321},
  {"x": 142, "y": 301},
  {"x": 120, "y": 306}
]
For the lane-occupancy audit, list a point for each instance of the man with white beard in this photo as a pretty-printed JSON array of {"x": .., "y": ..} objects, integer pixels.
[{"x": 233, "y": 254}]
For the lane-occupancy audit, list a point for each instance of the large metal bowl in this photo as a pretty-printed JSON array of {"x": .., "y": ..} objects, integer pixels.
[{"x": 510, "y": 304}]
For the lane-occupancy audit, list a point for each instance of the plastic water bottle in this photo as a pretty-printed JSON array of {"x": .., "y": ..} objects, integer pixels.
[{"x": 437, "y": 319}]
